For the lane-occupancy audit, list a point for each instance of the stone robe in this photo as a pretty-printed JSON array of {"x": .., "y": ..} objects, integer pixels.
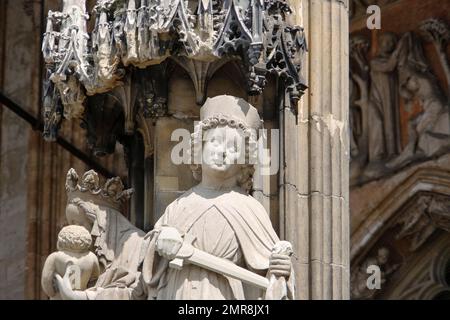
[
  {"x": 118, "y": 247},
  {"x": 384, "y": 118},
  {"x": 232, "y": 226}
]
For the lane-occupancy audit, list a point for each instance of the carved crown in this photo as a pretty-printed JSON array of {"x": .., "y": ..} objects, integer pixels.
[{"x": 112, "y": 194}]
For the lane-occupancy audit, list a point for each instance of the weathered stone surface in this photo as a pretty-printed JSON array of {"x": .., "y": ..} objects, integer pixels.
[
  {"x": 170, "y": 179},
  {"x": 320, "y": 162},
  {"x": 20, "y": 36}
]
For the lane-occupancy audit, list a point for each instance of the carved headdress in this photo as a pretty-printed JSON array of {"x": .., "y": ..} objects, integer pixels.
[
  {"x": 235, "y": 113},
  {"x": 235, "y": 110},
  {"x": 111, "y": 195}
]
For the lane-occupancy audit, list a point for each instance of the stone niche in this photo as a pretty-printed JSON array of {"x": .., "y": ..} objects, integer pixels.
[{"x": 171, "y": 180}]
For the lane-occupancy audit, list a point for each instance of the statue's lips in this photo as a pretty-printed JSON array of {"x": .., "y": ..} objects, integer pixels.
[{"x": 218, "y": 164}]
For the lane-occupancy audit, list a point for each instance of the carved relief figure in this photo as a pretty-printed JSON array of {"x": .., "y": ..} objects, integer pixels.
[
  {"x": 438, "y": 33},
  {"x": 429, "y": 213},
  {"x": 399, "y": 73},
  {"x": 429, "y": 131},
  {"x": 73, "y": 253},
  {"x": 384, "y": 111},
  {"x": 359, "y": 104},
  {"x": 218, "y": 219},
  {"x": 359, "y": 288},
  {"x": 198, "y": 35}
]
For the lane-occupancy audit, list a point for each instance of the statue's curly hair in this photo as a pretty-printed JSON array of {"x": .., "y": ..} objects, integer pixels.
[
  {"x": 245, "y": 179},
  {"x": 74, "y": 238}
]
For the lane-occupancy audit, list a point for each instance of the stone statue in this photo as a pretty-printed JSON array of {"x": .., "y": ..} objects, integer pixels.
[
  {"x": 399, "y": 72},
  {"x": 73, "y": 252},
  {"x": 214, "y": 242},
  {"x": 429, "y": 131},
  {"x": 359, "y": 288},
  {"x": 219, "y": 219},
  {"x": 384, "y": 136},
  {"x": 359, "y": 105},
  {"x": 117, "y": 242}
]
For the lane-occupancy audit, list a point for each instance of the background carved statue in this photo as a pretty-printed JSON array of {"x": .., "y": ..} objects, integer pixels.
[
  {"x": 219, "y": 217},
  {"x": 117, "y": 242},
  {"x": 384, "y": 136},
  {"x": 438, "y": 33},
  {"x": 399, "y": 72},
  {"x": 359, "y": 104},
  {"x": 429, "y": 131},
  {"x": 359, "y": 288}
]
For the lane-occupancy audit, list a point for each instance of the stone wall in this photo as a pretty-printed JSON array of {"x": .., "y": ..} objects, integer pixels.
[
  {"x": 18, "y": 76},
  {"x": 32, "y": 171}
]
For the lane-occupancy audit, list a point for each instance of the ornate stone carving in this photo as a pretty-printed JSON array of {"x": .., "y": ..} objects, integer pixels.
[
  {"x": 152, "y": 90},
  {"x": 285, "y": 47},
  {"x": 66, "y": 53},
  {"x": 430, "y": 213},
  {"x": 409, "y": 221},
  {"x": 398, "y": 72},
  {"x": 438, "y": 33},
  {"x": 179, "y": 251},
  {"x": 359, "y": 289},
  {"x": 425, "y": 277},
  {"x": 384, "y": 136},
  {"x": 200, "y": 35},
  {"x": 52, "y": 110},
  {"x": 359, "y": 104},
  {"x": 429, "y": 132}
]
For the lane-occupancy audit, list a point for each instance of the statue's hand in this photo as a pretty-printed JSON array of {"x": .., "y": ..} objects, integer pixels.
[
  {"x": 169, "y": 242},
  {"x": 65, "y": 288},
  {"x": 280, "y": 265}
]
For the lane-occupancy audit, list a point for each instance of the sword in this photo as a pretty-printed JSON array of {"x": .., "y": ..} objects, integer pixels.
[{"x": 190, "y": 255}]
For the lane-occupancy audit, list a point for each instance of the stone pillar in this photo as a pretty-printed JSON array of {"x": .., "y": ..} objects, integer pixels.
[{"x": 316, "y": 215}]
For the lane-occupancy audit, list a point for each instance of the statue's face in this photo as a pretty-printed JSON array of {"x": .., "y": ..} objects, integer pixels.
[
  {"x": 383, "y": 256},
  {"x": 387, "y": 44},
  {"x": 223, "y": 152},
  {"x": 76, "y": 216},
  {"x": 412, "y": 84}
]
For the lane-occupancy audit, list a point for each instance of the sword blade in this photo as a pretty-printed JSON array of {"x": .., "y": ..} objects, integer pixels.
[{"x": 227, "y": 268}]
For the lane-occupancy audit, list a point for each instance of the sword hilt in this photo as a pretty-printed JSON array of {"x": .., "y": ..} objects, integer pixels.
[
  {"x": 176, "y": 263},
  {"x": 185, "y": 251}
]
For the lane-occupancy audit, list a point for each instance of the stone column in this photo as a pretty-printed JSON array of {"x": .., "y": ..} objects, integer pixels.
[{"x": 316, "y": 215}]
